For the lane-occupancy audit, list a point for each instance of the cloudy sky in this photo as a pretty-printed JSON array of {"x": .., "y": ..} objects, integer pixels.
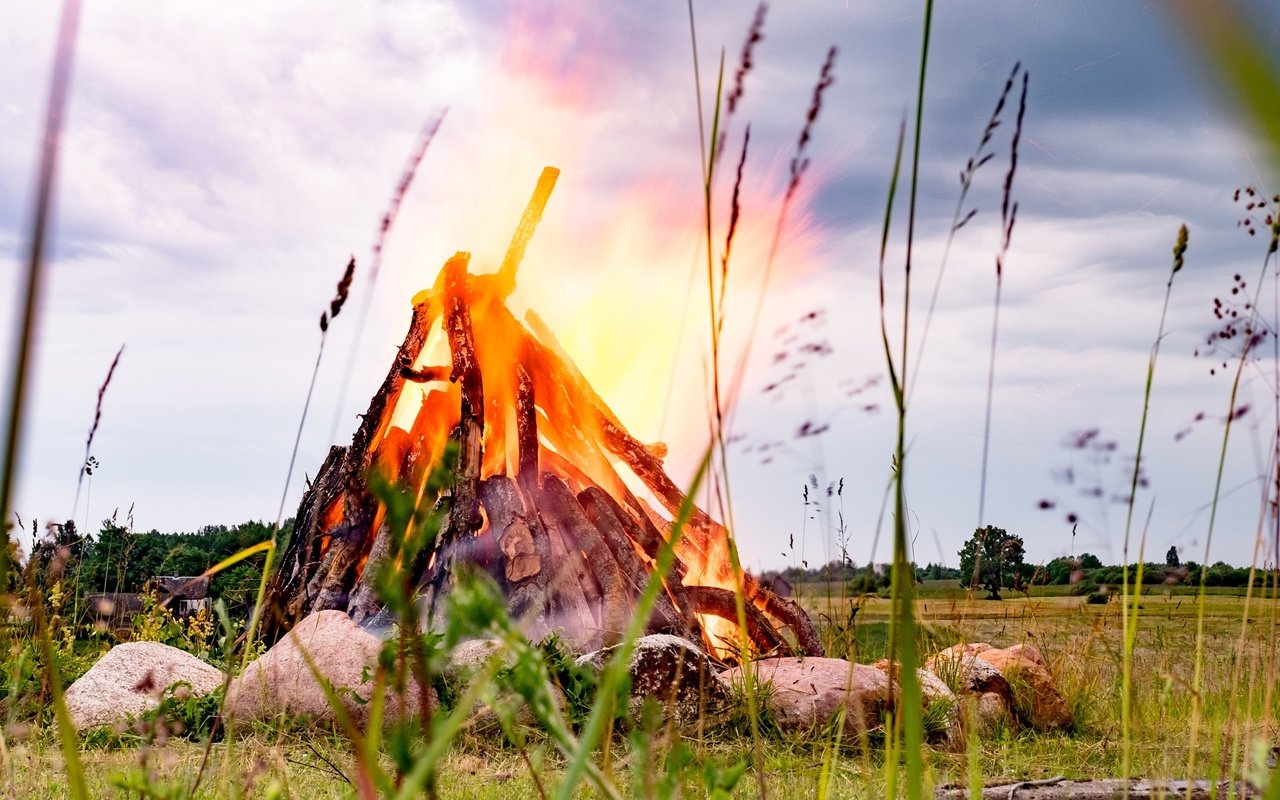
[{"x": 221, "y": 164}]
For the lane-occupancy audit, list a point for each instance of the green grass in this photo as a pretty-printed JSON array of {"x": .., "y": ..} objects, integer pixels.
[{"x": 1082, "y": 643}]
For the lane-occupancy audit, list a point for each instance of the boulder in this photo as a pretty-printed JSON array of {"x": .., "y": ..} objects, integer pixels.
[
  {"x": 1019, "y": 653},
  {"x": 968, "y": 674},
  {"x": 964, "y": 649},
  {"x": 1036, "y": 700},
  {"x": 1017, "y": 674},
  {"x": 936, "y": 694},
  {"x": 673, "y": 672},
  {"x": 805, "y": 693},
  {"x": 983, "y": 689},
  {"x": 468, "y": 658},
  {"x": 131, "y": 679},
  {"x": 992, "y": 712},
  {"x": 932, "y": 687},
  {"x": 1028, "y": 651},
  {"x": 282, "y": 682}
]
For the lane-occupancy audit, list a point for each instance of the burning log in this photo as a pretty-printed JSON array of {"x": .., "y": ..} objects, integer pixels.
[
  {"x": 536, "y": 498},
  {"x": 334, "y": 529},
  {"x": 462, "y": 518}
]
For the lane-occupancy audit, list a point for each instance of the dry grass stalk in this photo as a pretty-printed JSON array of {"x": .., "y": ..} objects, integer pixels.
[
  {"x": 93, "y": 429},
  {"x": 800, "y": 162},
  {"x": 33, "y": 279},
  {"x": 798, "y": 165},
  {"x": 755, "y": 35},
  {"x": 388, "y": 221},
  {"x": 1008, "y": 216}
]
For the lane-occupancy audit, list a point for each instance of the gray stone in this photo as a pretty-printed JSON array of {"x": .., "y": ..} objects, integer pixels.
[
  {"x": 281, "y": 682},
  {"x": 805, "y": 693},
  {"x": 969, "y": 674},
  {"x": 470, "y": 656},
  {"x": 935, "y": 692},
  {"x": 131, "y": 679},
  {"x": 672, "y": 671}
]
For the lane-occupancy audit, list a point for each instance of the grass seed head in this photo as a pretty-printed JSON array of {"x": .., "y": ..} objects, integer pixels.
[{"x": 1179, "y": 249}]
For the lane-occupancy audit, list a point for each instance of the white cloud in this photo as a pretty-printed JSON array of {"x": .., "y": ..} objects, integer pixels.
[{"x": 219, "y": 166}]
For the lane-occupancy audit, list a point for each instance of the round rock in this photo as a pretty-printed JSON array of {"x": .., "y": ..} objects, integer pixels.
[
  {"x": 282, "y": 680},
  {"x": 130, "y": 680},
  {"x": 808, "y": 692},
  {"x": 672, "y": 671}
]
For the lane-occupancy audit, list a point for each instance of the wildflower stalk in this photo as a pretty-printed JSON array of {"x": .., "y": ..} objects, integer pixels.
[
  {"x": 960, "y": 217},
  {"x": 1197, "y": 699},
  {"x": 388, "y": 221},
  {"x": 1129, "y": 619},
  {"x": 86, "y": 468},
  {"x": 335, "y": 306}
]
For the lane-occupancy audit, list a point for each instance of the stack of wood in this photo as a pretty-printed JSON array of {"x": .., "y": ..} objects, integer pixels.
[{"x": 535, "y": 500}]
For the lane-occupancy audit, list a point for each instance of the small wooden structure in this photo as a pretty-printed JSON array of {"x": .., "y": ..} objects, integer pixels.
[{"x": 183, "y": 595}]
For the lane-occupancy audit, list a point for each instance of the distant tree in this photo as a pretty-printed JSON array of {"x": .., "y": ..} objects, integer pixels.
[
  {"x": 992, "y": 559},
  {"x": 238, "y": 586},
  {"x": 870, "y": 579},
  {"x": 1059, "y": 570},
  {"x": 56, "y": 554},
  {"x": 1090, "y": 561},
  {"x": 933, "y": 572},
  {"x": 106, "y": 565},
  {"x": 1171, "y": 558}
]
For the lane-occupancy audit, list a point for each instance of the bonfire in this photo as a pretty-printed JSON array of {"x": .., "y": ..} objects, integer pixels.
[{"x": 551, "y": 495}]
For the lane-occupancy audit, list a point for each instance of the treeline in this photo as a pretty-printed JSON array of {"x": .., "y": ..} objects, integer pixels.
[
  {"x": 1085, "y": 570},
  {"x": 863, "y": 578},
  {"x": 1089, "y": 569},
  {"x": 116, "y": 559}
]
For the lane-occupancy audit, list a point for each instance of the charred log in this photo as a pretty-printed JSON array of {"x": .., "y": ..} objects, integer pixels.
[
  {"x": 462, "y": 505},
  {"x": 332, "y": 528},
  {"x": 722, "y": 603}
]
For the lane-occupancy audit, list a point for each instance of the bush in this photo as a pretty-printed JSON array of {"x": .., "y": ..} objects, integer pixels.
[
  {"x": 1097, "y": 598},
  {"x": 1084, "y": 587}
]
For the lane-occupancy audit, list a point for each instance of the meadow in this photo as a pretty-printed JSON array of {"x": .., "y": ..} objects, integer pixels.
[
  {"x": 1180, "y": 682},
  {"x": 1082, "y": 642}
]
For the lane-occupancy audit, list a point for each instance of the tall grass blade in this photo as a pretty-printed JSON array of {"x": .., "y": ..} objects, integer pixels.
[
  {"x": 28, "y": 318},
  {"x": 902, "y": 630},
  {"x": 34, "y": 275},
  {"x": 1239, "y": 60},
  {"x": 1129, "y": 622},
  {"x": 617, "y": 667}
]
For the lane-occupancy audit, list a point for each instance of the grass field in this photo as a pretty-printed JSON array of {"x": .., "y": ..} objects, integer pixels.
[{"x": 1082, "y": 643}]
